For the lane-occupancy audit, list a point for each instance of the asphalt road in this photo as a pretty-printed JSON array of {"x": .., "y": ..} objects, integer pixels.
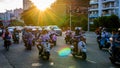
[{"x": 19, "y": 57}]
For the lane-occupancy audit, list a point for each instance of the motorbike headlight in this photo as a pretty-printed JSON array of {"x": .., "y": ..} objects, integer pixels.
[
  {"x": 36, "y": 43},
  {"x": 72, "y": 47},
  {"x": 111, "y": 39}
]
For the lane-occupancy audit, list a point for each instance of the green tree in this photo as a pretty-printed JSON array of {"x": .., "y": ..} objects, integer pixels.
[
  {"x": 29, "y": 15},
  {"x": 16, "y": 23},
  {"x": 34, "y": 16},
  {"x": 111, "y": 22}
]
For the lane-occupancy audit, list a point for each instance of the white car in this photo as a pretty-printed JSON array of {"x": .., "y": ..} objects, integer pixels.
[
  {"x": 11, "y": 29},
  {"x": 55, "y": 28}
]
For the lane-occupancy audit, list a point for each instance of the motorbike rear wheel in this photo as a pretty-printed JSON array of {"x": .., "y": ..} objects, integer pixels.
[
  {"x": 46, "y": 56},
  {"x": 100, "y": 47}
]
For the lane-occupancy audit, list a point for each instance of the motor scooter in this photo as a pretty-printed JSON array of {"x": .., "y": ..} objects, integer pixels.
[
  {"x": 7, "y": 43},
  {"x": 104, "y": 43},
  {"x": 44, "y": 49},
  {"x": 79, "y": 51},
  {"x": 16, "y": 38},
  {"x": 115, "y": 56}
]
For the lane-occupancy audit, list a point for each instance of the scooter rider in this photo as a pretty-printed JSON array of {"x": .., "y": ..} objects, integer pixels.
[
  {"x": 44, "y": 38},
  {"x": 103, "y": 35},
  {"x": 6, "y": 35},
  {"x": 68, "y": 32},
  {"x": 77, "y": 31},
  {"x": 81, "y": 44},
  {"x": 25, "y": 36},
  {"x": 116, "y": 43},
  {"x": 15, "y": 33},
  {"x": 53, "y": 36},
  {"x": 30, "y": 38}
]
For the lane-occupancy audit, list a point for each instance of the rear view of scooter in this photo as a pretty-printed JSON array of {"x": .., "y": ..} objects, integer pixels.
[
  {"x": 115, "y": 56},
  {"x": 79, "y": 50},
  {"x": 7, "y": 43},
  {"x": 16, "y": 38},
  {"x": 104, "y": 43},
  {"x": 44, "y": 49}
]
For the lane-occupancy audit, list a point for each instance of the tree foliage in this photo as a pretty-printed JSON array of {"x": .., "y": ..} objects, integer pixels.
[
  {"x": 16, "y": 23},
  {"x": 107, "y": 21},
  {"x": 76, "y": 21},
  {"x": 34, "y": 16}
]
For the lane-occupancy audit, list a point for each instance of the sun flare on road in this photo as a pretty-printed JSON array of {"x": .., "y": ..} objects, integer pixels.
[{"x": 43, "y": 4}]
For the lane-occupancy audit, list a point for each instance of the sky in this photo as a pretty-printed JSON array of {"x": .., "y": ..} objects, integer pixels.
[{"x": 10, "y": 4}]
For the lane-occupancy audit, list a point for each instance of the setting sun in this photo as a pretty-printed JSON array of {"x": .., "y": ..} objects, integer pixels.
[{"x": 43, "y": 4}]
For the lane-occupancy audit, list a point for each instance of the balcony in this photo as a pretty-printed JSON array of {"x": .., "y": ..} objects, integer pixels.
[
  {"x": 93, "y": 2},
  {"x": 105, "y": 1},
  {"x": 93, "y": 9},
  {"x": 106, "y": 14},
  {"x": 93, "y": 15},
  {"x": 108, "y": 8}
]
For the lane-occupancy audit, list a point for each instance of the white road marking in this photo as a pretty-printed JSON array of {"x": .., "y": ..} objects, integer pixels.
[
  {"x": 36, "y": 64},
  {"x": 112, "y": 67},
  {"x": 91, "y": 61},
  {"x": 52, "y": 63}
]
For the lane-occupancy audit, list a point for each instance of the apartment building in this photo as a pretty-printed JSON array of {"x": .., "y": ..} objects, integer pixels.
[
  {"x": 100, "y": 8},
  {"x": 27, "y": 4}
]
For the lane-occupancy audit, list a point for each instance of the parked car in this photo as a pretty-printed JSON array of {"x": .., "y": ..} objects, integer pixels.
[
  {"x": 11, "y": 29},
  {"x": 56, "y": 29},
  {"x": 19, "y": 28}
]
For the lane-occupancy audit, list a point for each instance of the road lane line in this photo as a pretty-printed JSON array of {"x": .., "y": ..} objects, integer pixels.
[{"x": 91, "y": 61}]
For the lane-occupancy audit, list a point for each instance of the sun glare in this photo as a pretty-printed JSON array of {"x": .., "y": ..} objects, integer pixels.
[{"x": 43, "y": 4}]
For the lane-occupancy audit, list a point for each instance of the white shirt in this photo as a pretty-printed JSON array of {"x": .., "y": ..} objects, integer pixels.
[{"x": 80, "y": 45}]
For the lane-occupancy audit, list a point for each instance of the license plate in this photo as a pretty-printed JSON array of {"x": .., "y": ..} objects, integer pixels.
[
  {"x": 84, "y": 50},
  {"x": 17, "y": 35}
]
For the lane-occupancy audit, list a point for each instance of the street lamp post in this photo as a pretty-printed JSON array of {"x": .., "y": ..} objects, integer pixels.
[
  {"x": 88, "y": 23},
  {"x": 70, "y": 17}
]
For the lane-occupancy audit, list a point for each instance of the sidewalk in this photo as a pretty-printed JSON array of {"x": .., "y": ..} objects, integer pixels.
[{"x": 4, "y": 63}]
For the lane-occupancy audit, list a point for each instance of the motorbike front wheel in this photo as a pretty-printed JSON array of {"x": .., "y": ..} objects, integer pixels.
[
  {"x": 100, "y": 47},
  {"x": 46, "y": 56},
  {"x": 7, "y": 47},
  {"x": 112, "y": 60},
  {"x": 84, "y": 56}
]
